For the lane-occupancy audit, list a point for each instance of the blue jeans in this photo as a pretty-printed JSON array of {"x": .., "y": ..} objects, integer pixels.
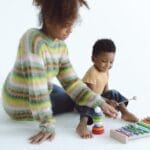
[
  {"x": 89, "y": 112},
  {"x": 61, "y": 102}
]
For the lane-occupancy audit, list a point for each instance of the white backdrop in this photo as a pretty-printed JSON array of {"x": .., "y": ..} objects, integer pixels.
[{"x": 124, "y": 21}]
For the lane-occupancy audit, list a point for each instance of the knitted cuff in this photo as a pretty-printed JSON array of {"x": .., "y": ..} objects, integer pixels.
[
  {"x": 98, "y": 102},
  {"x": 46, "y": 127}
]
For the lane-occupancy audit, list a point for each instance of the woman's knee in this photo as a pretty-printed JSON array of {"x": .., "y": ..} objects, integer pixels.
[{"x": 57, "y": 89}]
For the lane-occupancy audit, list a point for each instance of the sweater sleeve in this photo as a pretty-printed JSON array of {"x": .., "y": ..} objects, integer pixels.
[
  {"x": 74, "y": 86},
  {"x": 39, "y": 99},
  {"x": 38, "y": 91}
]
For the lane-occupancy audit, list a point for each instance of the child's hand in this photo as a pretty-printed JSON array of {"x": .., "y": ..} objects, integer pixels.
[
  {"x": 108, "y": 110},
  {"x": 41, "y": 137},
  {"x": 113, "y": 103}
]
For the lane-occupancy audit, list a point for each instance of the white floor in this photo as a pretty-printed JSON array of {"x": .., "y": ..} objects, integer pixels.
[
  {"x": 126, "y": 22},
  {"x": 14, "y": 135}
]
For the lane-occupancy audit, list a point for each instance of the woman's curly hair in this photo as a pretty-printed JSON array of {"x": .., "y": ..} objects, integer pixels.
[{"x": 59, "y": 11}]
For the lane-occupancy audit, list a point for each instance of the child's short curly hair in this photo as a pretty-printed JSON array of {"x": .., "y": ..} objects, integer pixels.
[
  {"x": 103, "y": 45},
  {"x": 59, "y": 11}
]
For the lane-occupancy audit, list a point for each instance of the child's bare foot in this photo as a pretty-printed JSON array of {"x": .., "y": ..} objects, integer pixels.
[
  {"x": 127, "y": 116},
  {"x": 82, "y": 129},
  {"x": 146, "y": 120}
]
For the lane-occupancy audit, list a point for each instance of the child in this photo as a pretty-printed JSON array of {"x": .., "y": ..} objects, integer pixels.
[
  {"x": 28, "y": 92},
  {"x": 96, "y": 78}
]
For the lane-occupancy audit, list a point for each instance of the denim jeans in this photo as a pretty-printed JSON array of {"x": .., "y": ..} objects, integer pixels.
[
  {"x": 61, "y": 102},
  {"x": 89, "y": 112}
]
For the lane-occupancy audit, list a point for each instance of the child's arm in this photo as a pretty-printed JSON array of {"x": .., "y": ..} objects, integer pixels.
[
  {"x": 91, "y": 86},
  {"x": 106, "y": 88},
  {"x": 111, "y": 102}
]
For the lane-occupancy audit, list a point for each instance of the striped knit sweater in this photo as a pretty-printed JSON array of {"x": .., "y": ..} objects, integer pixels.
[{"x": 28, "y": 86}]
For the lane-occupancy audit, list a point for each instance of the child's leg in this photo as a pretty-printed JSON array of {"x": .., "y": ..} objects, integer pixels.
[
  {"x": 115, "y": 95},
  {"x": 125, "y": 114},
  {"x": 85, "y": 119},
  {"x": 61, "y": 102}
]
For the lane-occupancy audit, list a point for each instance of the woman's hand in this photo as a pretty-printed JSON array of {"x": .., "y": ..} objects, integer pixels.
[
  {"x": 41, "y": 137},
  {"x": 108, "y": 110}
]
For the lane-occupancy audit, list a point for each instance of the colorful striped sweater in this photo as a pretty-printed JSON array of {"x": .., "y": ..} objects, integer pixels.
[{"x": 28, "y": 86}]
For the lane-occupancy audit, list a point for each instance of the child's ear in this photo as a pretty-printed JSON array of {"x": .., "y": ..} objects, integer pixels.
[{"x": 93, "y": 58}]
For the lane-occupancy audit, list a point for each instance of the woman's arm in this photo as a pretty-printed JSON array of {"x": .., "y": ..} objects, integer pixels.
[
  {"x": 36, "y": 78},
  {"x": 74, "y": 86}
]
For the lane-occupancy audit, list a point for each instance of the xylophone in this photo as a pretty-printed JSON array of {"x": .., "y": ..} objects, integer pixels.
[{"x": 132, "y": 131}]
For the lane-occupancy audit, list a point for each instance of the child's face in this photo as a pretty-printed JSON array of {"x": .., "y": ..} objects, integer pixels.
[
  {"x": 59, "y": 32},
  {"x": 104, "y": 61}
]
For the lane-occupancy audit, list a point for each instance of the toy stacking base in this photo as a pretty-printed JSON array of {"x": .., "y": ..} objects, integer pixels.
[
  {"x": 132, "y": 131},
  {"x": 98, "y": 130}
]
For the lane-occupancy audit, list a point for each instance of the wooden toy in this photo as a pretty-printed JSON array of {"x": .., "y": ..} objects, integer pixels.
[
  {"x": 98, "y": 130},
  {"x": 98, "y": 127},
  {"x": 132, "y": 131}
]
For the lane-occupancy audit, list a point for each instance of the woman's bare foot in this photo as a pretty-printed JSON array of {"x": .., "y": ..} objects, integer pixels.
[
  {"x": 127, "y": 116},
  {"x": 82, "y": 129}
]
